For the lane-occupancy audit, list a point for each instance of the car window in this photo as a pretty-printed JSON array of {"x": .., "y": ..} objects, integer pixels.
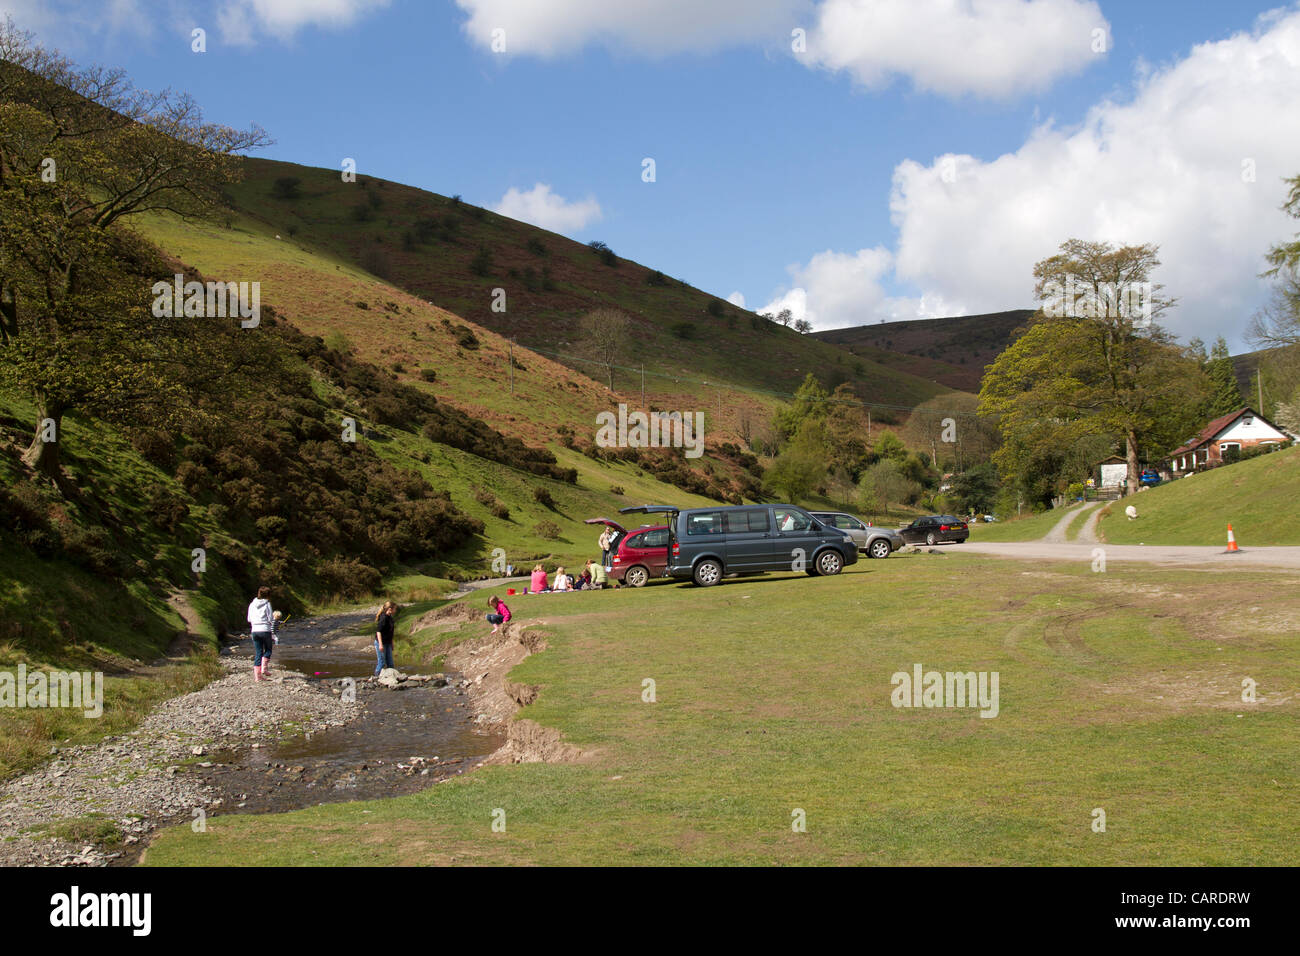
[
  {"x": 635, "y": 541},
  {"x": 787, "y": 519},
  {"x": 654, "y": 539},
  {"x": 709, "y": 522},
  {"x": 849, "y": 523},
  {"x": 747, "y": 520}
]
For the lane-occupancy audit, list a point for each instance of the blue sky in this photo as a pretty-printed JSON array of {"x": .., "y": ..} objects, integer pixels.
[{"x": 917, "y": 166}]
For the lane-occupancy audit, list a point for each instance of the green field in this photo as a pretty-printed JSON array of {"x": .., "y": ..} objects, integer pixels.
[
  {"x": 773, "y": 697},
  {"x": 1031, "y": 527},
  {"x": 1260, "y": 498}
]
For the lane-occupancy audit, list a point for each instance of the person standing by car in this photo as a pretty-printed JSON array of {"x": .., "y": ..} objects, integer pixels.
[
  {"x": 385, "y": 624},
  {"x": 604, "y": 542}
]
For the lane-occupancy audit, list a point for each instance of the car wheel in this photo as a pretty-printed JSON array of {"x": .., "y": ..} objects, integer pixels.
[
  {"x": 829, "y": 562},
  {"x": 931, "y": 540},
  {"x": 879, "y": 549},
  {"x": 636, "y": 577},
  {"x": 708, "y": 573}
]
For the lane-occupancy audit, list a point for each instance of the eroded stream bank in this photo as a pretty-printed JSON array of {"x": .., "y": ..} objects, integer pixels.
[{"x": 237, "y": 746}]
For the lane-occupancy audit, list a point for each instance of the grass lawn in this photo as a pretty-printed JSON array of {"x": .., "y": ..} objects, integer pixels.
[
  {"x": 1260, "y": 498},
  {"x": 1116, "y": 691},
  {"x": 1029, "y": 528}
]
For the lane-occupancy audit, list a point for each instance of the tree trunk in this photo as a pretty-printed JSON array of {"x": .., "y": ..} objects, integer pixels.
[
  {"x": 1131, "y": 456},
  {"x": 42, "y": 455}
]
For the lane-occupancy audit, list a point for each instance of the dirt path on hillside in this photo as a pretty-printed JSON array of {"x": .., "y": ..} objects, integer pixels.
[{"x": 1057, "y": 534}]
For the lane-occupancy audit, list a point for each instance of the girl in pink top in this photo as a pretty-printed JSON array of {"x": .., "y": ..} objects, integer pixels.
[
  {"x": 500, "y": 614},
  {"x": 539, "y": 580}
]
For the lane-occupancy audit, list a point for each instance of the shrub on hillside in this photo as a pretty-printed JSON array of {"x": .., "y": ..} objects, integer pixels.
[
  {"x": 547, "y": 529},
  {"x": 348, "y": 578},
  {"x": 286, "y": 187},
  {"x": 616, "y": 489},
  {"x": 481, "y": 264},
  {"x": 543, "y": 497}
]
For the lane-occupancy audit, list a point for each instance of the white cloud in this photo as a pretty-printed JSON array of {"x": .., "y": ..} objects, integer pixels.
[
  {"x": 737, "y": 299},
  {"x": 835, "y": 288},
  {"x": 988, "y": 47},
  {"x": 993, "y": 48},
  {"x": 541, "y": 207},
  {"x": 67, "y": 23},
  {"x": 246, "y": 21},
  {"x": 1166, "y": 167},
  {"x": 551, "y": 27}
]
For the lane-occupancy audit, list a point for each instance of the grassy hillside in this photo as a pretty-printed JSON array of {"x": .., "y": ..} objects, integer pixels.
[
  {"x": 957, "y": 348},
  {"x": 428, "y": 244},
  {"x": 749, "y": 726},
  {"x": 1259, "y": 497}
]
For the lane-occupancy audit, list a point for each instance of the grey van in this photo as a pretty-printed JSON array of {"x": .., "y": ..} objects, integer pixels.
[{"x": 706, "y": 544}]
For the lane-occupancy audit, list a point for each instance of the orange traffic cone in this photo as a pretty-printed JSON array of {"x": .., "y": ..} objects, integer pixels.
[{"x": 1232, "y": 542}]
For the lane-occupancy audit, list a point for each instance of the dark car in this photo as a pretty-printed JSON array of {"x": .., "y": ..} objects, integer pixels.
[
  {"x": 871, "y": 541},
  {"x": 935, "y": 529},
  {"x": 637, "y": 555},
  {"x": 707, "y": 544}
]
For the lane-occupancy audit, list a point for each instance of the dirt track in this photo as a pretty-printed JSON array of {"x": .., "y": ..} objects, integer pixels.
[{"x": 1182, "y": 556}]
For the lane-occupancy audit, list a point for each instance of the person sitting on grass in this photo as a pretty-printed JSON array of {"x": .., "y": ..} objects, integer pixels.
[
  {"x": 598, "y": 578},
  {"x": 562, "y": 581},
  {"x": 499, "y": 615},
  {"x": 538, "y": 582},
  {"x": 584, "y": 580}
]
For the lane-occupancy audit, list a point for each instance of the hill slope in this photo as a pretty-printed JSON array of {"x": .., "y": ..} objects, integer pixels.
[
  {"x": 950, "y": 351},
  {"x": 454, "y": 255},
  {"x": 1257, "y": 497}
]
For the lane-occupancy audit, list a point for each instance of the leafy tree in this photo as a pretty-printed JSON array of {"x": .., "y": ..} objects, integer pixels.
[
  {"x": 811, "y": 401},
  {"x": 975, "y": 489},
  {"x": 801, "y": 466},
  {"x": 846, "y": 432},
  {"x": 1226, "y": 395},
  {"x": 73, "y": 326},
  {"x": 803, "y": 326},
  {"x": 883, "y": 483},
  {"x": 1107, "y": 370},
  {"x": 889, "y": 447}
]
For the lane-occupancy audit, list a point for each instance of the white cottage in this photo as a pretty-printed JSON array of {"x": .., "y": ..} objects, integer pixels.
[{"x": 1241, "y": 429}]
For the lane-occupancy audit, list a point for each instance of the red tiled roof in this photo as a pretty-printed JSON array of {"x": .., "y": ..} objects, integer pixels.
[{"x": 1209, "y": 431}]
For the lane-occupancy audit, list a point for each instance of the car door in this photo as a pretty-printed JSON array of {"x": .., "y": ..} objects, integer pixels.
[
  {"x": 749, "y": 539},
  {"x": 654, "y": 553},
  {"x": 795, "y": 538},
  {"x": 914, "y": 533},
  {"x": 855, "y": 528}
]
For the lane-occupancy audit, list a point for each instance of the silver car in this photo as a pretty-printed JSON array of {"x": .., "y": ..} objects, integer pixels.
[{"x": 874, "y": 542}]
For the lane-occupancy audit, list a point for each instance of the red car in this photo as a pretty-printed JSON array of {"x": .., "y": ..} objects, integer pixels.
[{"x": 637, "y": 555}]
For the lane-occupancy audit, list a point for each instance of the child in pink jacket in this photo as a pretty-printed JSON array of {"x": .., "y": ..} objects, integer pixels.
[{"x": 499, "y": 615}]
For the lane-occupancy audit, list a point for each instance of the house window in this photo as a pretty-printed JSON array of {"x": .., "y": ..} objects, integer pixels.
[{"x": 1224, "y": 446}]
